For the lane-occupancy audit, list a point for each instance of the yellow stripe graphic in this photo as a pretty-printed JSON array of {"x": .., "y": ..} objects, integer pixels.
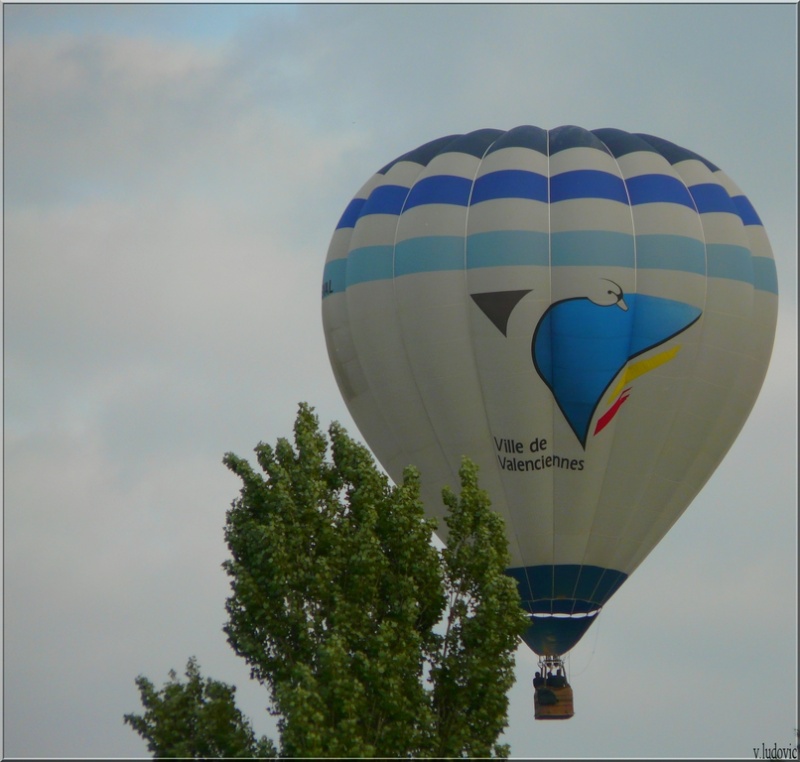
[{"x": 640, "y": 368}]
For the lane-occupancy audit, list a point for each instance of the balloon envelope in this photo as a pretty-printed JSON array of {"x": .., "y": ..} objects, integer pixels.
[{"x": 588, "y": 315}]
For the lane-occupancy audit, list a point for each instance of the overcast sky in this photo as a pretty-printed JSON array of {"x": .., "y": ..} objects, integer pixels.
[{"x": 173, "y": 174}]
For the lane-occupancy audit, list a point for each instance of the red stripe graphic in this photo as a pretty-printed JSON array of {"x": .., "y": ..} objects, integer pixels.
[{"x": 605, "y": 419}]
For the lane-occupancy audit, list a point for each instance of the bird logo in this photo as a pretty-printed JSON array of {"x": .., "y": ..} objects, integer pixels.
[{"x": 580, "y": 346}]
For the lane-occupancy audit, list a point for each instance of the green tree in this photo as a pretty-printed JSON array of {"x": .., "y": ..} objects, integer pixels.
[
  {"x": 473, "y": 667},
  {"x": 370, "y": 641},
  {"x": 197, "y": 719}
]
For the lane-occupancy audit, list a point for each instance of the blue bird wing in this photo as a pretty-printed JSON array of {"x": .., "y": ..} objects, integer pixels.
[{"x": 579, "y": 347}]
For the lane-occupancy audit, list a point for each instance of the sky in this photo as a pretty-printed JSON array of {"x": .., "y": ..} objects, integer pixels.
[{"x": 172, "y": 177}]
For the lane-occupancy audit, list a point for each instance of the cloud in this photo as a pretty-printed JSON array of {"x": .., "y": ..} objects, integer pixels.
[
  {"x": 96, "y": 568},
  {"x": 190, "y": 282},
  {"x": 80, "y": 112},
  {"x": 93, "y": 117}
]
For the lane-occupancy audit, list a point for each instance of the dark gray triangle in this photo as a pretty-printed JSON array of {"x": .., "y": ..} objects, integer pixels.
[{"x": 498, "y": 305}]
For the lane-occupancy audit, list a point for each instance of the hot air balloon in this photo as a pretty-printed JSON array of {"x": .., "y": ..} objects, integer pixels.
[{"x": 586, "y": 314}]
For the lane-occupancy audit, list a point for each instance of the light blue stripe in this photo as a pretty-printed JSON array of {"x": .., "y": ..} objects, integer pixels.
[
  {"x": 369, "y": 263},
  {"x": 670, "y": 252},
  {"x": 500, "y": 248},
  {"x": 429, "y": 254},
  {"x": 505, "y": 248},
  {"x": 334, "y": 277},
  {"x": 728, "y": 261},
  {"x": 597, "y": 248},
  {"x": 765, "y": 276}
]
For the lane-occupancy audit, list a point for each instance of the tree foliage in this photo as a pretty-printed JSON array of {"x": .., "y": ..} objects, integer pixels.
[
  {"x": 371, "y": 642},
  {"x": 196, "y": 719},
  {"x": 473, "y": 666}
]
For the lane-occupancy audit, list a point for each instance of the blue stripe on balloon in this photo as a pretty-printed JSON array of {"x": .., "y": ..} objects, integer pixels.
[
  {"x": 554, "y": 635},
  {"x": 423, "y": 154},
  {"x": 334, "y": 277},
  {"x": 429, "y": 254},
  {"x": 599, "y": 248},
  {"x": 746, "y": 210},
  {"x": 526, "y": 136},
  {"x": 474, "y": 143},
  {"x": 670, "y": 252},
  {"x": 621, "y": 143},
  {"x": 592, "y": 585},
  {"x": 650, "y": 189},
  {"x": 712, "y": 197},
  {"x": 385, "y": 199},
  {"x": 351, "y": 213},
  {"x": 440, "y": 189},
  {"x": 570, "y": 136},
  {"x": 765, "y": 276},
  {"x": 510, "y": 183},
  {"x": 642, "y": 189},
  {"x": 587, "y": 183},
  {"x": 507, "y": 248},
  {"x": 370, "y": 263},
  {"x": 673, "y": 153},
  {"x": 729, "y": 261},
  {"x": 500, "y": 248}
]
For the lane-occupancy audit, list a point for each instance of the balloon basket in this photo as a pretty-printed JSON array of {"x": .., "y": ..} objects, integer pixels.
[{"x": 552, "y": 695}]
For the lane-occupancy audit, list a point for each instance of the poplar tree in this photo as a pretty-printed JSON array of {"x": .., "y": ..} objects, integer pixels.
[
  {"x": 370, "y": 641},
  {"x": 197, "y": 719}
]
